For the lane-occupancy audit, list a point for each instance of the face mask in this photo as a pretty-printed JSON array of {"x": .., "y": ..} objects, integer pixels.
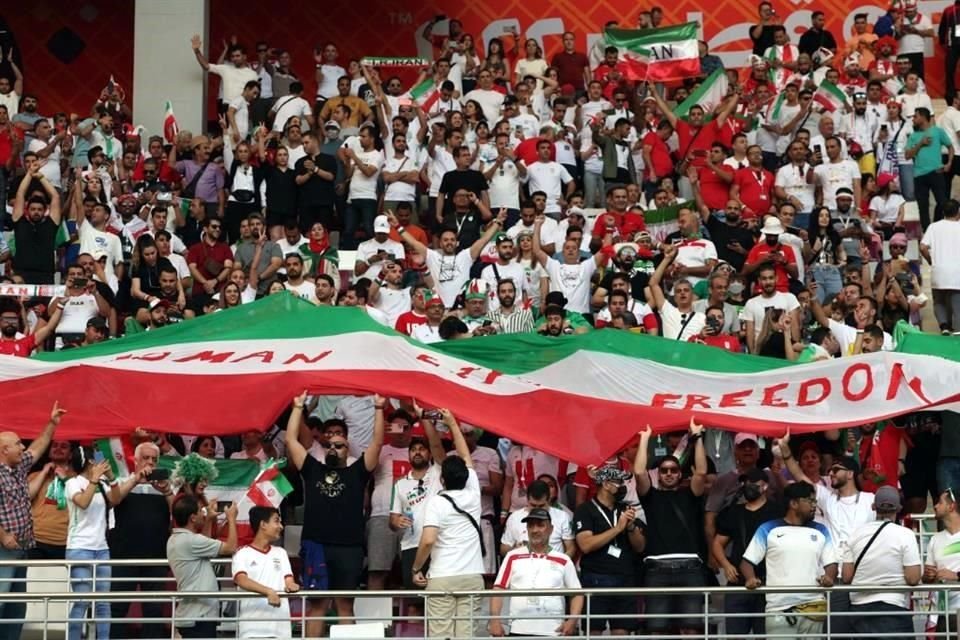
[
  {"x": 751, "y": 492},
  {"x": 620, "y": 494},
  {"x": 736, "y": 288}
]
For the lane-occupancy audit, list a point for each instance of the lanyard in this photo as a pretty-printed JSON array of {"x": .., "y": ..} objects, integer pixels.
[
  {"x": 603, "y": 513},
  {"x": 760, "y": 177}
]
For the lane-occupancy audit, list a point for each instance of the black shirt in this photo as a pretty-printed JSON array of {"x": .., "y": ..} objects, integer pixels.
[
  {"x": 594, "y": 517},
  {"x": 150, "y": 276},
  {"x": 469, "y": 226},
  {"x": 282, "y": 192},
  {"x": 317, "y": 192},
  {"x": 765, "y": 41},
  {"x": 666, "y": 531},
  {"x": 811, "y": 40},
  {"x": 471, "y": 180},
  {"x": 739, "y": 524},
  {"x": 333, "y": 502},
  {"x": 142, "y": 526},
  {"x": 35, "y": 245},
  {"x": 723, "y": 234}
]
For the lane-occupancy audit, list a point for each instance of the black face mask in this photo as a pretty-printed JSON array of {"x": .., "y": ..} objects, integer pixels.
[
  {"x": 620, "y": 493},
  {"x": 332, "y": 460},
  {"x": 751, "y": 491}
]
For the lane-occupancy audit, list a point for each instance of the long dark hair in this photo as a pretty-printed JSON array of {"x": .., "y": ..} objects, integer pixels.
[{"x": 813, "y": 230}]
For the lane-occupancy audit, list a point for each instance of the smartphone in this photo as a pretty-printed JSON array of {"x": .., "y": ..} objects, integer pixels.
[
  {"x": 159, "y": 475},
  {"x": 487, "y": 323},
  {"x": 223, "y": 505},
  {"x": 98, "y": 456},
  {"x": 80, "y": 282},
  {"x": 433, "y": 414}
]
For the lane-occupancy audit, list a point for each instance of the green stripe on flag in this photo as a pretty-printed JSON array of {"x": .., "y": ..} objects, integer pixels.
[
  {"x": 640, "y": 39},
  {"x": 422, "y": 89},
  {"x": 716, "y": 83}
]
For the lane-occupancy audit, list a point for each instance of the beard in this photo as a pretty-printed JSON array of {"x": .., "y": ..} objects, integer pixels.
[
  {"x": 419, "y": 462},
  {"x": 507, "y": 301},
  {"x": 9, "y": 330}
]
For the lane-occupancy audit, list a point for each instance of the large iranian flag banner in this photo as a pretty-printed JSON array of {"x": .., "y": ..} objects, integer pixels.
[
  {"x": 657, "y": 55},
  {"x": 578, "y": 397}
]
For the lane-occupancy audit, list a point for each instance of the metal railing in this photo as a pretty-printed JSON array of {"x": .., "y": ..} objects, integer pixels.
[{"x": 406, "y": 623}]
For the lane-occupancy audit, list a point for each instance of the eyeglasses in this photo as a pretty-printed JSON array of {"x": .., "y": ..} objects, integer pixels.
[
  {"x": 214, "y": 226},
  {"x": 837, "y": 469},
  {"x": 666, "y": 470},
  {"x": 338, "y": 446},
  {"x": 9, "y": 320},
  {"x": 809, "y": 500}
]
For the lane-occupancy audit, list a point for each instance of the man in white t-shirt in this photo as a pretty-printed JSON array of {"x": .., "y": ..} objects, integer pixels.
[
  {"x": 296, "y": 283},
  {"x": 757, "y": 308},
  {"x": 265, "y": 569},
  {"x": 943, "y": 560},
  {"x": 844, "y": 509},
  {"x": 95, "y": 238},
  {"x": 912, "y": 35},
  {"x": 417, "y": 479},
  {"x": 679, "y": 320},
  {"x": 388, "y": 294},
  {"x": 503, "y": 176},
  {"x": 570, "y": 277},
  {"x": 537, "y": 565},
  {"x": 836, "y": 173},
  {"x": 452, "y": 541},
  {"x": 549, "y": 228},
  {"x": 291, "y": 106},
  {"x": 373, "y": 252},
  {"x": 551, "y": 178},
  {"x": 449, "y": 268},
  {"x": 940, "y": 247},
  {"x": 882, "y": 553},
  {"x": 490, "y": 100},
  {"x": 363, "y": 168},
  {"x": 515, "y": 533},
  {"x": 505, "y": 267},
  {"x": 233, "y": 76},
  {"x": 46, "y": 145},
  {"x": 795, "y": 551}
]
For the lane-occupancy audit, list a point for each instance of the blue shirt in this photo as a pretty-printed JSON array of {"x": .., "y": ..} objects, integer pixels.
[{"x": 928, "y": 158}]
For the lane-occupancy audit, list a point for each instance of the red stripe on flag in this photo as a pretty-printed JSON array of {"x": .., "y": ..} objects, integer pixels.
[{"x": 660, "y": 71}]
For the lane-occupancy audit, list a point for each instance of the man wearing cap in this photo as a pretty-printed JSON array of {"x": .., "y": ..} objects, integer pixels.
[
  {"x": 882, "y": 553},
  {"x": 844, "y": 508},
  {"x": 735, "y": 526},
  {"x": 675, "y": 549},
  {"x": 725, "y": 490},
  {"x": 610, "y": 537},
  {"x": 772, "y": 251},
  {"x": 537, "y": 565},
  {"x": 428, "y": 331},
  {"x": 372, "y": 253}
]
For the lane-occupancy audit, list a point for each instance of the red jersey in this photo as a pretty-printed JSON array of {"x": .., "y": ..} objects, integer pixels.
[
  {"x": 20, "y": 347},
  {"x": 756, "y": 191},
  {"x": 659, "y": 156},
  {"x": 879, "y": 454},
  {"x": 626, "y": 223},
  {"x": 696, "y": 143},
  {"x": 759, "y": 253},
  {"x": 407, "y": 321},
  {"x": 722, "y": 341},
  {"x": 714, "y": 189}
]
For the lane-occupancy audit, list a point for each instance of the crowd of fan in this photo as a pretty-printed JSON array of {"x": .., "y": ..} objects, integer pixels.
[{"x": 514, "y": 196}]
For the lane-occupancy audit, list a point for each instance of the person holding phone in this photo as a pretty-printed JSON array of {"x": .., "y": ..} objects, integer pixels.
[{"x": 141, "y": 511}]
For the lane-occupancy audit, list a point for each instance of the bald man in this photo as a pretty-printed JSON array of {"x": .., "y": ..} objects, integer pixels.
[{"x": 16, "y": 523}]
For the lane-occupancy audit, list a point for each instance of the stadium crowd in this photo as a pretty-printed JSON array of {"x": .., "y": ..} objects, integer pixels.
[{"x": 757, "y": 211}]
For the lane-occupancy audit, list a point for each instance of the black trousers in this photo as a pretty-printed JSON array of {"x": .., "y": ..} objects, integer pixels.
[
  {"x": 916, "y": 63},
  {"x": 132, "y": 578},
  {"x": 933, "y": 182},
  {"x": 950, "y": 68}
]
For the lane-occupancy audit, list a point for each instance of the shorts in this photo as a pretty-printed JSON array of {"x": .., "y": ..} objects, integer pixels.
[
  {"x": 383, "y": 544},
  {"x": 603, "y": 606},
  {"x": 314, "y": 575},
  {"x": 344, "y": 565},
  {"x": 682, "y": 574}
]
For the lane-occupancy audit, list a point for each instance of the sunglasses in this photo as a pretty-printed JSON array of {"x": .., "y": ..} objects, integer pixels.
[
  {"x": 7, "y": 320},
  {"x": 215, "y": 226},
  {"x": 338, "y": 446},
  {"x": 666, "y": 470},
  {"x": 838, "y": 469}
]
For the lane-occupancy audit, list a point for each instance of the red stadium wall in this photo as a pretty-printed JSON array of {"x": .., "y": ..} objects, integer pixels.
[{"x": 70, "y": 49}]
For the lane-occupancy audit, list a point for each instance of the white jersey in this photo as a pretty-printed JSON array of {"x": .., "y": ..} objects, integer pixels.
[
  {"x": 410, "y": 497},
  {"x": 515, "y": 532},
  {"x": 269, "y": 567}
]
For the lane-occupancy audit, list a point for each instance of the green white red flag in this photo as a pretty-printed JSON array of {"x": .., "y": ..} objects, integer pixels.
[
  {"x": 425, "y": 94},
  {"x": 707, "y": 96},
  {"x": 170, "y": 126},
  {"x": 118, "y": 452},
  {"x": 830, "y": 96},
  {"x": 578, "y": 397},
  {"x": 657, "y": 55}
]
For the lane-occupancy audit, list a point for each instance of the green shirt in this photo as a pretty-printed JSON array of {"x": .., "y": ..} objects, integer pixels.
[{"x": 928, "y": 158}]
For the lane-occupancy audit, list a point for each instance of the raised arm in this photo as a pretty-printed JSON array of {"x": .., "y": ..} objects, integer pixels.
[
  {"x": 20, "y": 200},
  {"x": 698, "y": 482},
  {"x": 41, "y": 442},
  {"x": 291, "y": 438},
  {"x": 195, "y": 42},
  {"x": 790, "y": 461},
  {"x": 662, "y": 104},
  {"x": 656, "y": 291},
  {"x": 371, "y": 457},
  {"x": 459, "y": 442},
  {"x": 538, "y": 251},
  {"x": 640, "y": 462}
]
